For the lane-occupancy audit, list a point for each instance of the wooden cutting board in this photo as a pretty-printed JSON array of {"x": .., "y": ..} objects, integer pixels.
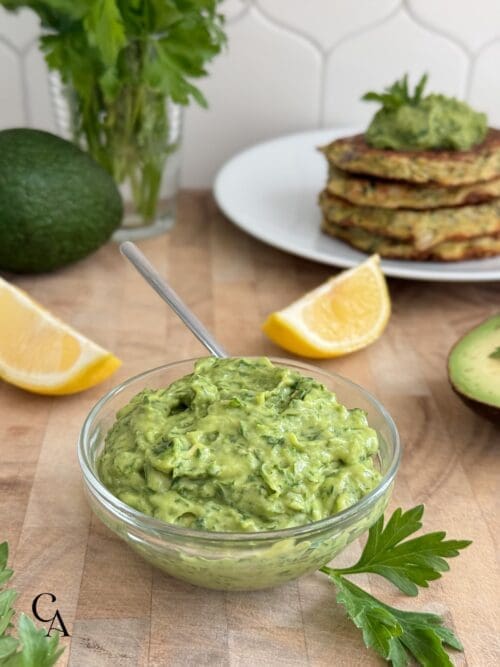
[{"x": 117, "y": 609}]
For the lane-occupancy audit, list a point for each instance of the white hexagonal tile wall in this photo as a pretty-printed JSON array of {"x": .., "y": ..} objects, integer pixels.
[
  {"x": 473, "y": 23},
  {"x": 377, "y": 57},
  {"x": 293, "y": 65},
  {"x": 19, "y": 28},
  {"x": 325, "y": 23},
  {"x": 233, "y": 9},
  {"x": 267, "y": 83},
  {"x": 485, "y": 87}
]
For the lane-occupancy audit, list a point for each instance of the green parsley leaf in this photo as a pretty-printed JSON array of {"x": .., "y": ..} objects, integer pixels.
[
  {"x": 5, "y": 572},
  {"x": 38, "y": 650},
  {"x": 495, "y": 354},
  {"x": 419, "y": 89},
  {"x": 393, "y": 633},
  {"x": 8, "y": 646},
  {"x": 6, "y": 611},
  {"x": 398, "y": 94},
  {"x": 105, "y": 30},
  {"x": 407, "y": 564},
  {"x": 31, "y": 647}
]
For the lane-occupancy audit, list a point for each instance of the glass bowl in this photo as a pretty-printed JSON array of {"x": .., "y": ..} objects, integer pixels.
[{"x": 236, "y": 561}]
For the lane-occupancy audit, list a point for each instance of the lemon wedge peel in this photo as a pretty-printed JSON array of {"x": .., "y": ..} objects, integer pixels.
[
  {"x": 352, "y": 309},
  {"x": 46, "y": 356}
]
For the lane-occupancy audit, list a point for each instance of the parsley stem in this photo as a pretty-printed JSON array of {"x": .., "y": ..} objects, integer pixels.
[{"x": 138, "y": 160}]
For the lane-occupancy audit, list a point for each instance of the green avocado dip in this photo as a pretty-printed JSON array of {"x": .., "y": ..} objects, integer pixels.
[
  {"x": 415, "y": 122},
  {"x": 239, "y": 445}
]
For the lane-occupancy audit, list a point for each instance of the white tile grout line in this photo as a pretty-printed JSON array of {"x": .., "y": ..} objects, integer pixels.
[
  {"x": 24, "y": 53},
  {"x": 19, "y": 57},
  {"x": 324, "y": 53},
  {"x": 473, "y": 63},
  {"x": 343, "y": 40},
  {"x": 11, "y": 46},
  {"x": 454, "y": 40},
  {"x": 241, "y": 13},
  {"x": 413, "y": 15},
  {"x": 258, "y": 9}
]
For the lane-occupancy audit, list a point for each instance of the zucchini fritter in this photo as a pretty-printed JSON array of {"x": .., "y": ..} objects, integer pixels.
[
  {"x": 448, "y": 251},
  {"x": 480, "y": 163},
  {"x": 421, "y": 229},
  {"x": 383, "y": 193}
]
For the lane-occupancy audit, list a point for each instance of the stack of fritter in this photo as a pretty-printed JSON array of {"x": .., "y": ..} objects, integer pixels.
[{"x": 435, "y": 205}]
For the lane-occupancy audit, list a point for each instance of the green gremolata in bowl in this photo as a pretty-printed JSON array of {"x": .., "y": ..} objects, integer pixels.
[{"x": 238, "y": 474}]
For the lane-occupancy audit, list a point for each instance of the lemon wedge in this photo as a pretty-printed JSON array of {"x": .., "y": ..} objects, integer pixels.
[
  {"x": 40, "y": 353},
  {"x": 344, "y": 314}
]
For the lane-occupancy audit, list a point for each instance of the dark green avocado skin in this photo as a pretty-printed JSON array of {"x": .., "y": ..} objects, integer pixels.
[
  {"x": 57, "y": 205},
  {"x": 489, "y": 412}
]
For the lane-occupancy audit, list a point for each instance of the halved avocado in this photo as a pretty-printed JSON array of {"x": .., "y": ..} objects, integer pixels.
[{"x": 474, "y": 368}]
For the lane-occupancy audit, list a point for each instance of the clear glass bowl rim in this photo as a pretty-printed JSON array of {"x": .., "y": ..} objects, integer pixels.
[{"x": 144, "y": 522}]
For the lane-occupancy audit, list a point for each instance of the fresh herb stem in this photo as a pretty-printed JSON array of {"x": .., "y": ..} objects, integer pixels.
[{"x": 128, "y": 134}]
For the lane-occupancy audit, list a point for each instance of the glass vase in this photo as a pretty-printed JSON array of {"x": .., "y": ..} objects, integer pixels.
[{"x": 145, "y": 163}]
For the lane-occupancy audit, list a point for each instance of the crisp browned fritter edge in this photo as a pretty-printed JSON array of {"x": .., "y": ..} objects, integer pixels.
[
  {"x": 412, "y": 254},
  {"x": 357, "y": 141}
]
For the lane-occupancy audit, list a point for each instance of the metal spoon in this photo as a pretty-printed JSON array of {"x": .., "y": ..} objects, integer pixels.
[{"x": 160, "y": 285}]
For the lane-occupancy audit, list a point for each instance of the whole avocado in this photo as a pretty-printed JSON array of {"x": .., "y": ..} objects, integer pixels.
[{"x": 57, "y": 205}]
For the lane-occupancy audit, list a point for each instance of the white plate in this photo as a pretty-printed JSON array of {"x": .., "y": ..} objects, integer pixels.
[{"x": 271, "y": 192}]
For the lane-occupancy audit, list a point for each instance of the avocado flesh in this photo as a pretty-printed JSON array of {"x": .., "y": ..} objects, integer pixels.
[{"x": 473, "y": 372}]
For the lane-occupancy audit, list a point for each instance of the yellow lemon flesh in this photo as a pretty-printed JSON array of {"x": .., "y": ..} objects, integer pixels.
[
  {"x": 40, "y": 353},
  {"x": 344, "y": 314}
]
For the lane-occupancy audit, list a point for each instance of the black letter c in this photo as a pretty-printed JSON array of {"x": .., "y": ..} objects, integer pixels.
[{"x": 35, "y": 603}]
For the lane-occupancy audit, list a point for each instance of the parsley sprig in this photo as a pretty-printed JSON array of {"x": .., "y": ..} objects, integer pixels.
[
  {"x": 31, "y": 647},
  {"x": 394, "y": 633},
  {"x": 398, "y": 94}
]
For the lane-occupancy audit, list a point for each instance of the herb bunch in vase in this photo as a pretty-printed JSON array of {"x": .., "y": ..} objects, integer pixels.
[{"x": 121, "y": 71}]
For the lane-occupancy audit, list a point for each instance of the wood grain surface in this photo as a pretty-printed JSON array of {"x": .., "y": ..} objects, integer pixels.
[{"x": 118, "y": 610}]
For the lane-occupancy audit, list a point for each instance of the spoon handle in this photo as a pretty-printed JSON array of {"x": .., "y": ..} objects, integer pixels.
[{"x": 159, "y": 284}]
